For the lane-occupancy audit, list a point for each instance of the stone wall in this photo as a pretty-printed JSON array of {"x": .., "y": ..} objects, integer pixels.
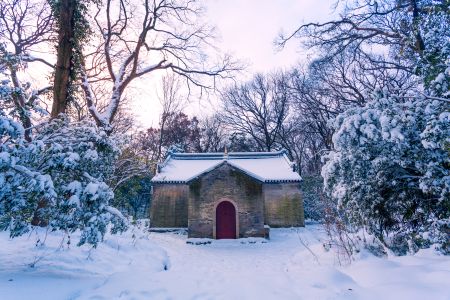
[
  {"x": 169, "y": 205},
  {"x": 225, "y": 183},
  {"x": 283, "y": 205}
]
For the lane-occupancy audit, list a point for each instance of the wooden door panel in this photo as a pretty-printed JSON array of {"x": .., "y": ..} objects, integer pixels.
[{"x": 225, "y": 221}]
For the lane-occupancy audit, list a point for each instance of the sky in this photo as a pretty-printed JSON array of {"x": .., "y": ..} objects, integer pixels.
[{"x": 246, "y": 30}]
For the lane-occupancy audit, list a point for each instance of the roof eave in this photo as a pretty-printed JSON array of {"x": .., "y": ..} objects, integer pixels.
[{"x": 192, "y": 179}]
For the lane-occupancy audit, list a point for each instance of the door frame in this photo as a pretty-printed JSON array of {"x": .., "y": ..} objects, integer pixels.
[{"x": 215, "y": 216}]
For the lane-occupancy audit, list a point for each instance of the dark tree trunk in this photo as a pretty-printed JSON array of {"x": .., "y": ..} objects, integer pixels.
[
  {"x": 38, "y": 219},
  {"x": 64, "y": 57},
  {"x": 420, "y": 45}
]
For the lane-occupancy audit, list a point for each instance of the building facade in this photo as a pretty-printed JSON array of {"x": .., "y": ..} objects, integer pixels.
[{"x": 220, "y": 195}]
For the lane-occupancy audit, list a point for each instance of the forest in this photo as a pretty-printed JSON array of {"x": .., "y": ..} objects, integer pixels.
[{"x": 366, "y": 118}]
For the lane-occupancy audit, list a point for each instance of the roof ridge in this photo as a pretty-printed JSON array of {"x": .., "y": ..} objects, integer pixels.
[{"x": 220, "y": 155}]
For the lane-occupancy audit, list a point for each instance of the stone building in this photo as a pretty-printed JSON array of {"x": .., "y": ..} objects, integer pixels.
[{"x": 220, "y": 195}]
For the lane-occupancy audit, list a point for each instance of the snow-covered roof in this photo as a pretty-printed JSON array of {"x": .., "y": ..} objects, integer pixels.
[{"x": 263, "y": 166}]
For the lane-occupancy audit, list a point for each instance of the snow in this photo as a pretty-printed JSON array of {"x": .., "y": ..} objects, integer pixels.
[
  {"x": 183, "y": 170},
  {"x": 91, "y": 188},
  {"x": 91, "y": 154},
  {"x": 264, "y": 166},
  {"x": 4, "y": 158},
  {"x": 71, "y": 159},
  {"x": 74, "y": 199},
  {"x": 74, "y": 186},
  {"x": 114, "y": 211},
  {"x": 142, "y": 265},
  {"x": 267, "y": 169}
]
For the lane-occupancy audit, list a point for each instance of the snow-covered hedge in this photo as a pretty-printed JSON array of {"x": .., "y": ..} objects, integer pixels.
[
  {"x": 58, "y": 178},
  {"x": 390, "y": 171}
]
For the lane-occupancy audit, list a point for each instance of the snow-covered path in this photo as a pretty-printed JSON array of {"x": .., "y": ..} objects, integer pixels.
[
  {"x": 163, "y": 266},
  {"x": 231, "y": 270}
]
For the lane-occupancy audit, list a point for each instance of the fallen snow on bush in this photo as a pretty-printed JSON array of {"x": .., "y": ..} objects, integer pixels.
[{"x": 141, "y": 265}]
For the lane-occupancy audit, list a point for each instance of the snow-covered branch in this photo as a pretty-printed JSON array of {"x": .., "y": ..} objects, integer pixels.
[{"x": 170, "y": 36}]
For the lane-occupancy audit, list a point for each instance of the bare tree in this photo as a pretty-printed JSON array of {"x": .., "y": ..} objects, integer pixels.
[
  {"x": 361, "y": 51},
  {"x": 130, "y": 163},
  {"x": 390, "y": 27},
  {"x": 303, "y": 144},
  {"x": 139, "y": 39},
  {"x": 172, "y": 104},
  {"x": 213, "y": 136},
  {"x": 258, "y": 109},
  {"x": 24, "y": 26},
  {"x": 329, "y": 86}
]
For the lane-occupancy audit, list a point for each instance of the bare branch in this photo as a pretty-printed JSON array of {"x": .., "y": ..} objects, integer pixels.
[{"x": 155, "y": 35}]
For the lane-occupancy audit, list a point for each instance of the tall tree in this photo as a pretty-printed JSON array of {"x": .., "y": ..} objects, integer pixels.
[
  {"x": 213, "y": 137},
  {"x": 136, "y": 40},
  {"x": 390, "y": 35},
  {"x": 64, "y": 11},
  {"x": 172, "y": 104},
  {"x": 258, "y": 109},
  {"x": 180, "y": 132},
  {"x": 73, "y": 28}
]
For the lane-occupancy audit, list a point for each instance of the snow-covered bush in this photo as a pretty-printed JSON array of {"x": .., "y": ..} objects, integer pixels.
[
  {"x": 390, "y": 171},
  {"x": 80, "y": 158},
  {"x": 58, "y": 178},
  {"x": 18, "y": 182}
]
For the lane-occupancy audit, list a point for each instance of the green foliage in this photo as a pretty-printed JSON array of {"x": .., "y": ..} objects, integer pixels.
[
  {"x": 312, "y": 189},
  {"x": 133, "y": 197},
  {"x": 81, "y": 33}
]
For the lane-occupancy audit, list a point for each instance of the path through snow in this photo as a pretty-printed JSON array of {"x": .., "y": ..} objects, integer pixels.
[{"x": 134, "y": 268}]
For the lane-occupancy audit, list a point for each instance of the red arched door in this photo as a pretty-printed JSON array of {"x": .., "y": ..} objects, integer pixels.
[{"x": 225, "y": 220}]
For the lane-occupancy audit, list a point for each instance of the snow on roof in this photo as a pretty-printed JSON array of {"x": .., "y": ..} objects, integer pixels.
[{"x": 263, "y": 166}]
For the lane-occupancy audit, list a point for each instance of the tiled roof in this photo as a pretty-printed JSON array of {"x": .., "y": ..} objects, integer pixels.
[{"x": 264, "y": 166}]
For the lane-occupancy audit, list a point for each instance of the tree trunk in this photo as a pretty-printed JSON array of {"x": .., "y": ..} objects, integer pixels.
[
  {"x": 19, "y": 101},
  {"x": 38, "y": 219},
  {"x": 64, "y": 57},
  {"x": 419, "y": 43}
]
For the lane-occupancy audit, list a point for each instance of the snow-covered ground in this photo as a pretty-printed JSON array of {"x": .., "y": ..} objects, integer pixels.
[{"x": 140, "y": 265}]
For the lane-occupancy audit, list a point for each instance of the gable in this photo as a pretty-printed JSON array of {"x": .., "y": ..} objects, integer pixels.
[
  {"x": 226, "y": 179},
  {"x": 267, "y": 167},
  {"x": 225, "y": 166}
]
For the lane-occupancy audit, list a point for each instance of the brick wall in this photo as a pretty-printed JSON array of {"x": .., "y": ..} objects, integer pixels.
[
  {"x": 283, "y": 205},
  {"x": 169, "y": 205}
]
